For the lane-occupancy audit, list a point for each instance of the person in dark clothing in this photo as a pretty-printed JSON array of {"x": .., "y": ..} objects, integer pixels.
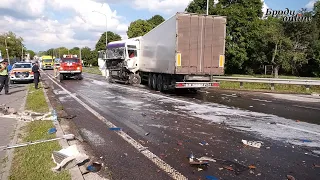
[
  {"x": 36, "y": 72},
  {"x": 4, "y": 76}
]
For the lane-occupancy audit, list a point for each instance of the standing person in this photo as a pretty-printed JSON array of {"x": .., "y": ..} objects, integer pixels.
[
  {"x": 36, "y": 72},
  {"x": 4, "y": 76}
]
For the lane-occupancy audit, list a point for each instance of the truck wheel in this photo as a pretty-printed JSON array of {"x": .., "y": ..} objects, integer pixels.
[
  {"x": 160, "y": 83},
  {"x": 134, "y": 79},
  {"x": 61, "y": 77},
  {"x": 154, "y": 82},
  {"x": 150, "y": 80},
  {"x": 79, "y": 77}
]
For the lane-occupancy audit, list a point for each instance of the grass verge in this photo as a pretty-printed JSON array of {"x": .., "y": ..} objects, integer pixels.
[
  {"x": 34, "y": 161},
  {"x": 281, "y": 88},
  {"x": 270, "y": 76},
  {"x": 36, "y": 100},
  {"x": 92, "y": 70}
]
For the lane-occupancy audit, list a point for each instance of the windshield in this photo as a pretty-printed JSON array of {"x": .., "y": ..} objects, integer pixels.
[
  {"x": 70, "y": 60},
  {"x": 22, "y": 66},
  {"x": 116, "y": 53},
  {"x": 47, "y": 60}
]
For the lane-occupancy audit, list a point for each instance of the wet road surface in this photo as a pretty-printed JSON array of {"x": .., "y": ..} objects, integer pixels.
[{"x": 172, "y": 128}]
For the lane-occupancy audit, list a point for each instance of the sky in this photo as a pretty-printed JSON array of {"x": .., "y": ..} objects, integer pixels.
[{"x": 45, "y": 24}]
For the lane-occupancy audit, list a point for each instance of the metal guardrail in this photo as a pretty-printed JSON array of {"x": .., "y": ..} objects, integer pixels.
[{"x": 271, "y": 81}]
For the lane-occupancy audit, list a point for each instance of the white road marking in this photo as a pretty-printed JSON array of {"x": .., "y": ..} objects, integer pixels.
[
  {"x": 307, "y": 107},
  {"x": 143, "y": 150},
  {"x": 261, "y": 100}
]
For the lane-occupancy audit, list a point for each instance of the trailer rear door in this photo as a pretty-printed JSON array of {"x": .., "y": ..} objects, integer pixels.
[{"x": 200, "y": 44}]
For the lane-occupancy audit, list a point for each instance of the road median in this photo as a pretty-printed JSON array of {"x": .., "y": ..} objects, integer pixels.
[{"x": 34, "y": 161}]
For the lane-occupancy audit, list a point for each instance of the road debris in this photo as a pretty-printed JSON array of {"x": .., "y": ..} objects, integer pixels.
[
  {"x": 115, "y": 129},
  {"x": 66, "y": 136},
  {"x": 146, "y": 134},
  {"x": 179, "y": 143},
  {"x": 256, "y": 144},
  {"x": 68, "y": 158},
  {"x": 252, "y": 167},
  {"x": 200, "y": 169},
  {"x": 195, "y": 161},
  {"x": 211, "y": 178},
  {"x": 69, "y": 116},
  {"x": 52, "y": 130},
  {"x": 316, "y": 165},
  {"x": 305, "y": 140},
  {"x": 220, "y": 169},
  {"x": 289, "y": 177},
  {"x": 95, "y": 167},
  {"x": 204, "y": 143},
  {"x": 228, "y": 168},
  {"x": 204, "y": 158}
]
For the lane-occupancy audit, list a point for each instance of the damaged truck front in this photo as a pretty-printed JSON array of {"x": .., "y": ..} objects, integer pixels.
[{"x": 182, "y": 52}]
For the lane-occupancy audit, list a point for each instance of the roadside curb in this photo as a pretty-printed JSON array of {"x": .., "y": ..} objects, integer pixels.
[
  {"x": 10, "y": 152},
  {"x": 75, "y": 171}
]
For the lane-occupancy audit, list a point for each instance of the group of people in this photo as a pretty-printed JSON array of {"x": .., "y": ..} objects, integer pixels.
[{"x": 5, "y": 68}]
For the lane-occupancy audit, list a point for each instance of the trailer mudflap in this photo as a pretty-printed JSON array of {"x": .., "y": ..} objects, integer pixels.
[{"x": 196, "y": 84}]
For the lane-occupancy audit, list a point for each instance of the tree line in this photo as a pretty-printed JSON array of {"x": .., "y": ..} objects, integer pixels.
[
  {"x": 253, "y": 41},
  {"x": 15, "y": 47}
]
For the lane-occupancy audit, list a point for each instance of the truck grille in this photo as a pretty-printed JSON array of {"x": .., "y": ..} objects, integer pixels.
[{"x": 21, "y": 74}]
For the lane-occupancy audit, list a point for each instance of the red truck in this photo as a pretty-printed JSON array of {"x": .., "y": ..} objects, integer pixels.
[{"x": 70, "y": 66}]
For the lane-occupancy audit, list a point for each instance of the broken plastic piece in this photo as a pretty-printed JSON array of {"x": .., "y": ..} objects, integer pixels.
[
  {"x": 211, "y": 178},
  {"x": 316, "y": 165},
  {"x": 52, "y": 131},
  {"x": 95, "y": 167},
  {"x": 228, "y": 168},
  {"x": 203, "y": 143},
  {"x": 204, "y": 158},
  {"x": 147, "y": 133},
  {"x": 256, "y": 144},
  {"x": 252, "y": 167},
  {"x": 115, "y": 129},
  {"x": 305, "y": 140}
]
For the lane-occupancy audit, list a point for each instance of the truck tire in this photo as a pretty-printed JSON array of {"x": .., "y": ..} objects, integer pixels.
[
  {"x": 154, "y": 81},
  {"x": 134, "y": 79},
  {"x": 150, "y": 80},
  {"x": 61, "y": 77},
  {"x": 160, "y": 83}
]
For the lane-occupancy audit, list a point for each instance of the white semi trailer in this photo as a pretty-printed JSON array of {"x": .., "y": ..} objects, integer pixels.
[{"x": 182, "y": 52}]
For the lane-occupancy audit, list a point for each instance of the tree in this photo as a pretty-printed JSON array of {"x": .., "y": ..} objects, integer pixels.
[
  {"x": 14, "y": 45},
  {"x": 138, "y": 28},
  {"x": 32, "y": 53},
  {"x": 155, "y": 20},
  {"x": 101, "y": 44}
]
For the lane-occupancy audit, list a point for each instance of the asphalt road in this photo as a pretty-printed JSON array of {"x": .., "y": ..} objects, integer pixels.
[{"x": 173, "y": 127}]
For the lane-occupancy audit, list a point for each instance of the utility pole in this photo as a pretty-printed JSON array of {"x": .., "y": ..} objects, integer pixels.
[
  {"x": 21, "y": 51},
  {"x": 207, "y": 7},
  {"x": 5, "y": 41}
]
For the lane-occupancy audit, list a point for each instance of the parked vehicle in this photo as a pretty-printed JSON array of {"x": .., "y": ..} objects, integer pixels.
[
  {"x": 182, "y": 52},
  {"x": 70, "y": 66},
  {"x": 21, "y": 72},
  {"x": 47, "y": 62}
]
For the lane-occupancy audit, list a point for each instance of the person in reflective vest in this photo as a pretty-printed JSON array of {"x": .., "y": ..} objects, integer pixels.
[{"x": 4, "y": 76}]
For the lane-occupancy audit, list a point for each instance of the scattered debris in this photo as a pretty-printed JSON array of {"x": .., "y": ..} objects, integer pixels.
[
  {"x": 203, "y": 143},
  {"x": 204, "y": 158},
  {"x": 272, "y": 123},
  {"x": 68, "y": 158},
  {"x": 52, "y": 130},
  {"x": 146, "y": 134},
  {"x": 251, "y": 106},
  {"x": 179, "y": 143},
  {"x": 251, "y": 172},
  {"x": 95, "y": 167},
  {"x": 316, "y": 165},
  {"x": 200, "y": 169},
  {"x": 69, "y": 116},
  {"x": 211, "y": 178},
  {"x": 252, "y": 167},
  {"x": 267, "y": 147},
  {"x": 195, "y": 161},
  {"x": 305, "y": 140},
  {"x": 228, "y": 168},
  {"x": 297, "y": 121},
  {"x": 256, "y": 144},
  {"x": 143, "y": 114},
  {"x": 289, "y": 177},
  {"x": 115, "y": 129},
  {"x": 220, "y": 169},
  {"x": 66, "y": 136}
]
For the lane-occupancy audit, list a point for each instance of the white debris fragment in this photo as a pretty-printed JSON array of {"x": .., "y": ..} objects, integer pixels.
[{"x": 256, "y": 144}]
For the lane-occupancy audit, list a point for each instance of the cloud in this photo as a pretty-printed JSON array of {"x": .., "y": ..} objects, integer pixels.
[
  {"x": 162, "y": 6},
  {"x": 310, "y": 4},
  {"x": 55, "y": 23}
]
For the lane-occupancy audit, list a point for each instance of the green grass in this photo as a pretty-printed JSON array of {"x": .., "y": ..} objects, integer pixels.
[
  {"x": 283, "y": 88},
  {"x": 36, "y": 100},
  {"x": 92, "y": 70},
  {"x": 34, "y": 161}
]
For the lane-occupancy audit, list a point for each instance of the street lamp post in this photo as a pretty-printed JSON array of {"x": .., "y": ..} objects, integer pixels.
[
  {"x": 106, "y": 26},
  {"x": 5, "y": 41},
  {"x": 107, "y": 71},
  {"x": 207, "y": 7}
]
